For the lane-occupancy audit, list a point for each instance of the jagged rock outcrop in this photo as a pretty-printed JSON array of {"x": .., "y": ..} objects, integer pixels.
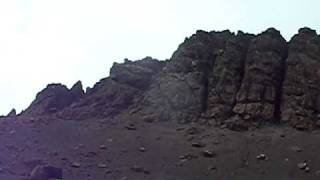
[
  {"x": 180, "y": 91},
  {"x": 135, "y": 74},
  {"x": 240, "y": 80},
  {"x": 12, "y": 113},
  {"x": 260, "y": 90},
  {"x": 116, "y": 93},
  {"x": 301, "y": 88},
  {"x": 54, "y": 98},
  {"x": 225, "y": 77}
]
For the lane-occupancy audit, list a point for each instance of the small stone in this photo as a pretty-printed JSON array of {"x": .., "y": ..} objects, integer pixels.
[
  {"x": 212, "y": 168},
  {"x": 261, "y": 157},
  {"x": 192, "y": 131},
  {"x": 45, "y": 172},
  {"x": 103, "y": 146},
  {"x": 302, "y": 165},
  {"x": 246, "y": 117},
  {"x": 131, "y": 127},
  {"x": 107, "y": 171},
  {"x": 101, "y": 165},
  {"x": 296, "y": 149},
  {"x": 208, "y": 154},
  {"x": 182, "y": 157},
  {"x": 307, "y": 169},
  {"x": 198, "y": 144},
  {"x": 187, "y": 156},
  {"x": 282, "y": 135},
  {"x": 75, "y": 164},
  {"x": 142, "y": 149}
]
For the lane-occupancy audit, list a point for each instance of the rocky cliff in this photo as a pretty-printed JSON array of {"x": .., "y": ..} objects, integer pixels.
[{"x": 222, "y": 78}]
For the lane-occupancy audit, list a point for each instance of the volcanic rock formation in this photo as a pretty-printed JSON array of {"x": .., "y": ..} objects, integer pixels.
[{"x": 241, "y": 80}]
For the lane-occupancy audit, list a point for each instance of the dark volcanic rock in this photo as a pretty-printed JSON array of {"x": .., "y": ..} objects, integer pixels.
[
  {"x": 76, "y": 90},
  {"x": 180, "y": 91},
  {"x": 118, "y": 92},
  {"x": 236, "y": 81},
  {"x": 12, "y": 113},
  {"x": 45, "y": 172},
  {"x": 301, "y": 97},
  {"x": 53, "y": 98},
  {"x": 261, "y": 85},
  {"x": 225, "y": 76},
  {"x": 136, "y": 74}
]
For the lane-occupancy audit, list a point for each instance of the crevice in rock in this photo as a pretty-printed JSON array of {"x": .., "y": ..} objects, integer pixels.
[
  {"x": 279, "y": 90},
  {"x": 205, "y": 79},
  {"x": 242, "y": 71}
]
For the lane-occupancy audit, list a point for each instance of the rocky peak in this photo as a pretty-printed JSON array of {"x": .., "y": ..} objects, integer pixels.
[
  {"x": 273, "y": 32},
  {"x": 77, "y": 90},
  {"x": 305, "y": 31},
  {"x": 12, "y": 113},
  {"x": 53, "y": 98}
]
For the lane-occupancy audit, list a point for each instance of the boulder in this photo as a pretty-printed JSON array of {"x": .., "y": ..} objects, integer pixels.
[{"x": 45, "y": 172}]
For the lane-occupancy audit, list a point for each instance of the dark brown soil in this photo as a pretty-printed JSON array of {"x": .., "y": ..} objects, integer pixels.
[{"x": 107, "y": 149}]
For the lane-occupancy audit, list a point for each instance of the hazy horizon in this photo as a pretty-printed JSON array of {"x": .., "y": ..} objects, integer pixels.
[{"x": 63, "y": 41}]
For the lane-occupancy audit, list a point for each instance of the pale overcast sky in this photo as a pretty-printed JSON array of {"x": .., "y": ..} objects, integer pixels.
[{"x": 45, "y": 41}]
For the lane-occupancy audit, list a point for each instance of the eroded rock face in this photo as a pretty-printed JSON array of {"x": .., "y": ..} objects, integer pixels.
[
  {"x": 263, "y": 75},
  {"x": 225, "y": 76},
  {"x": 12, "y": 113},
  {"x": 180, "y": 91},
  {"x": 234, "y": 80},
  {"x": 53, "y": 98},
  {"x": 301, "y": 88},
  {"x": 107, "y": 100},
  {"x": 136, "y": 73},
  {"x": 117, "y": 93}
]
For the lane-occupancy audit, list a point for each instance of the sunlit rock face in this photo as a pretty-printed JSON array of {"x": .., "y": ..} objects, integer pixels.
[{"x": 238, "y": 80}]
